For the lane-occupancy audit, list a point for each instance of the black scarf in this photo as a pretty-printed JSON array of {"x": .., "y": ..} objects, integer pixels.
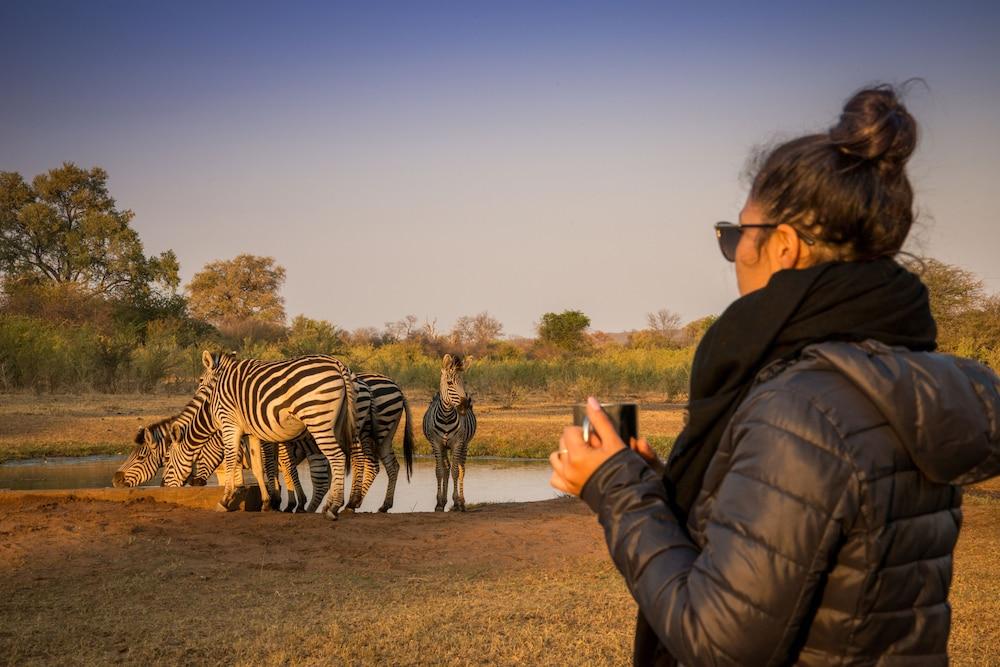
[{"x": 834, "y": 301}]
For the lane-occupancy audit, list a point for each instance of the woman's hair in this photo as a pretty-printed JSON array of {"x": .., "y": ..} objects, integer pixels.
[{"x": 846, "y": 187}]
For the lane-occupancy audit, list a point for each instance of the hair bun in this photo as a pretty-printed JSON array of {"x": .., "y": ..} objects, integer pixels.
[{"x": 876, "y": 127}]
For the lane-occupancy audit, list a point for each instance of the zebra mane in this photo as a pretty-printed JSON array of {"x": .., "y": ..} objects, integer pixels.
[{"x": 158, "y": 429}]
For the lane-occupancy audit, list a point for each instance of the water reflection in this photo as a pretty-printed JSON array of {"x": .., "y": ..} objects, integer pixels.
[{"x": 486, "y": 480}]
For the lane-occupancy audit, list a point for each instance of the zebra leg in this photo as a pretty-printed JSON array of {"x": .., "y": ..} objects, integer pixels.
[
  {"x": 231, "y": 437},
  {"x": 334, "y": 453},
  {"x": 319, "y": 472},
  {"x": 271, "y": 469},
  {"x": 257, "y": 466},
  {"x": 392, "y": 470},
  {"x": 357, "y": 474},
  {"x": 297, "y": 499},
  {"x": 458, "y": 474},
  {"x": 371, "y": 464},
  {"x": 441, "y": 469}
]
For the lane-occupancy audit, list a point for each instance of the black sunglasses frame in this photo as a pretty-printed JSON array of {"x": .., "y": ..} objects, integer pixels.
[{"x": 728, "y": 234}]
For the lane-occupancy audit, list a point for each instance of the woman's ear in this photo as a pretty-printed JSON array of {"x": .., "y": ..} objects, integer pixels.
[{"x": 786, "y": 249}]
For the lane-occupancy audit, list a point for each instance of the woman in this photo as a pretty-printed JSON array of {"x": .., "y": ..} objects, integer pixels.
[{"x": 810, "y": 507}]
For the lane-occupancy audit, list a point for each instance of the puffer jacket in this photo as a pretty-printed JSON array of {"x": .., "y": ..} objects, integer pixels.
[{"x": 824, "y": 530}]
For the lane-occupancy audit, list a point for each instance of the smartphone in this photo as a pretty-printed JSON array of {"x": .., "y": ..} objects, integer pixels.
[{"x": 625, "y": 417}]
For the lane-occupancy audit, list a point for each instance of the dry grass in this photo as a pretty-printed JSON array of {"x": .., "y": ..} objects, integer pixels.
[
  {"x": 66, "y": 425},
  {"x": 94, "y": 582}
]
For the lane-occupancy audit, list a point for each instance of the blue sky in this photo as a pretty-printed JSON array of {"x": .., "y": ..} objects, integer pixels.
[{"x": 442, "y": 159}]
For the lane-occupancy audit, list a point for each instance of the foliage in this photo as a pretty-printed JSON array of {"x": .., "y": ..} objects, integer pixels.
[
  {"x": 65, "y": 228},
  {"x": 968, "y": 320},
  {"x": 564, "y": 330},
  {"x": 308, "y": 336},
  {"x": 245, "y": 288}
]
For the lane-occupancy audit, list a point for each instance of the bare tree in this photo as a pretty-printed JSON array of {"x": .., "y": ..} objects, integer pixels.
[
  {"x": 476, "y": 332},
  {"x": 663, "y": 321},
  {"x": 401, "y": 329}
]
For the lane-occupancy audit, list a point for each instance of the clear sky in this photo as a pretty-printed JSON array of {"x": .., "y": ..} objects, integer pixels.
[{"x": 442, "y": 159}]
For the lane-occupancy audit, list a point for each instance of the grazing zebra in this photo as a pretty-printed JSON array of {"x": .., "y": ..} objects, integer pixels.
[
  {"x": 152, "y": 446},
  {"x": 449, "y": 425},
  {"x": 275, "y": 402},
  {"x": 187, "y": 451},
  {"x": 200, "y": 441},
  {"x": 389, "y": 405}
]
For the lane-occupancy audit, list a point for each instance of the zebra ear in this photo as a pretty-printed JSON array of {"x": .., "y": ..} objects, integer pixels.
[
  {"x": 176, "y": 432},
  {"x": 466, "y": 362},
  {"x": 447, "y": 362},
  {"x": 206, "y": 360},
  {"x": 147, "y": 437}
]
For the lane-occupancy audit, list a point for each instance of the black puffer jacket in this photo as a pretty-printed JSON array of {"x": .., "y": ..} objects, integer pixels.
[{"x": 824, "y": 531}]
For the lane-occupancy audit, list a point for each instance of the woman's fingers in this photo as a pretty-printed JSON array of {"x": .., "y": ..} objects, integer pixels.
[
  {"x": 641, "y": 446},
  {"x": 602, "y": 424}
]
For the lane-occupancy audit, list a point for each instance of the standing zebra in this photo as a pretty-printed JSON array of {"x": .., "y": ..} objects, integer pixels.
[
  {"x": 275, "y": 402},
  {"x": 388, "y": 406},
  {"x": 449, "y": 425}
]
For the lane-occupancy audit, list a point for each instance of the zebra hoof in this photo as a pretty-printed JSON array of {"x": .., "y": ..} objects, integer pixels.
[
  {"x": 198, "y": 482},
  {"x": 439, "y": 508},
  {"x": 331, "y": 515},
  {"x": 221, "y": 507},
  {"x": 384, "y": 508}
]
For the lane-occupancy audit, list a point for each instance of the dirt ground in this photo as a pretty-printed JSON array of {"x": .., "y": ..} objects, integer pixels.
[{"x": 94, "y": 581}]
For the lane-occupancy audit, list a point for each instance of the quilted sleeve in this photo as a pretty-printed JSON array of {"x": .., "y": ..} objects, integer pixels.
[{"x": 778, "y": 514}]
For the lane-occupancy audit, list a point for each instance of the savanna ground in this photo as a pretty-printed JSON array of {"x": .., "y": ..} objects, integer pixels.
[{"x": 94, "y": 581}]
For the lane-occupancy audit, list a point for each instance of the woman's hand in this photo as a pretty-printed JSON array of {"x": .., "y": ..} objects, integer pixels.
[
  {"x": 642, "y": 448},
  {"x": 576, "y": 460}
]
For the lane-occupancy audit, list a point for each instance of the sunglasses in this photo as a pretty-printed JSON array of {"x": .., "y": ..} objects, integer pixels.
[{"x": 729, "y": 234}]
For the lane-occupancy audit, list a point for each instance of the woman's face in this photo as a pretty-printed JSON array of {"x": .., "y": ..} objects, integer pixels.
[
  {"x": 753, "y": 266},
  {"x": 781, "y": 250}
]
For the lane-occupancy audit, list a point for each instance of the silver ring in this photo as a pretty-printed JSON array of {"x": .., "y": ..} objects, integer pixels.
[{"x": 587, "y": 429}]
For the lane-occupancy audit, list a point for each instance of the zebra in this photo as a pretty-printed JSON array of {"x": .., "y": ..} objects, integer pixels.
[
  {"x": 389, "y": 405},
  {"x": 200, "y": 441},
  {"x": 276, "y": 401},
  {"x": 449, "y": 425},
  {"x": 186, "y": 452},
  {"x": 152, "y": 444}
]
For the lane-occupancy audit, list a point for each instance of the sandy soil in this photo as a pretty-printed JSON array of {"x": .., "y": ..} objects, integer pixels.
[{"x": 89, "y": 581}]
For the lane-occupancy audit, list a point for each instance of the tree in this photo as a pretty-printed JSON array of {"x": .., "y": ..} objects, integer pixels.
[
  {"x": 476, "y": 332},
  {"x": 953, "y": 291},
  {"x": 401, "y": 329},
  {"x": 664, "y": 322},
  {"x": 695, "y": 330},
  {"x": 65, "y": 228},
  {"x": 309, "y": 336},
  {"x": 564, "y": 330},
  {"x": 236, "y": 290}
]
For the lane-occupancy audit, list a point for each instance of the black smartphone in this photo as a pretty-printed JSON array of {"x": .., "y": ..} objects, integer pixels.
[{"x": 625, "y": 417}]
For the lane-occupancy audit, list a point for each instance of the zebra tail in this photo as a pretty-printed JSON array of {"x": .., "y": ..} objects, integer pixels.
[{"x": 408, "y": 439}]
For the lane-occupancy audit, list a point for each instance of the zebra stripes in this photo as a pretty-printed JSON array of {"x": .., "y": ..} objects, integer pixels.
[
  {"x": 388, "y": 407},
  {"x": 276, "y": 402},
  {"x": 259, "y": 402},
  {"x": 449, "y": 424}
]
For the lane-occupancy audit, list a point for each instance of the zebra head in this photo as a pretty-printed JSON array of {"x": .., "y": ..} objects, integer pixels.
[
  {"x": 213, "y": 363},
  {"x": 453, "y": 394},
  {"x": 145, "y": 459},
  {"x": 187, "y": 435}
]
